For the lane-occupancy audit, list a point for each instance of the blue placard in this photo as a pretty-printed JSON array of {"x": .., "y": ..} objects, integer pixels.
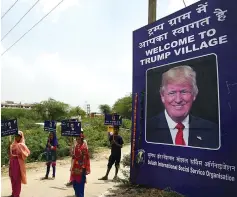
[
  {"x": 184, "y": 131},
  {"x": 113, "y": 119},
  {"x": 50, "y": 126},
  {"x": 9, "y": 127},
  {"x": 70, "y": 128}
]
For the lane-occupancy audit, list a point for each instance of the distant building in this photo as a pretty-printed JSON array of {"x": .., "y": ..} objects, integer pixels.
[
  {"x": 95, "y": 114},
  {"x": 11, "y": 104}
]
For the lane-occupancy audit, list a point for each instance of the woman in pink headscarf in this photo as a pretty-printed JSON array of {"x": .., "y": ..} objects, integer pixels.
[{"x": 17, "y": 170}]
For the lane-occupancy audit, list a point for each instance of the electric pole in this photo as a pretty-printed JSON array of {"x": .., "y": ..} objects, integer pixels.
[{"x": 152, "y": 11}]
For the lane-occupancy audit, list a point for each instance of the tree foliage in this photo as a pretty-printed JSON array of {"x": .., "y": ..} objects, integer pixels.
[
  {"x": 77, "y": 111},
  {"x": 105, "y": 109},
  {"x": 52, "y": 109},
  {"x": 123, "y": 106},
  {"x": 36, "y": 138},
  {"x": 8, "y": 113}
]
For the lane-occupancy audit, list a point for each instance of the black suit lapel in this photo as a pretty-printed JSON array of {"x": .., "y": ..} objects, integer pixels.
[
  {"x": 164, "y": 131},
  {"x": 158, "y": 131}
]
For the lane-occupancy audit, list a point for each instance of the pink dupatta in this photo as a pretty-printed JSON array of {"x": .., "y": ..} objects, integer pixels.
[{"x": 22, "y": 153}]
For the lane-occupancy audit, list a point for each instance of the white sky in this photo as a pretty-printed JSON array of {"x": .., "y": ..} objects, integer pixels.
[{"x": 81, "y": 53}]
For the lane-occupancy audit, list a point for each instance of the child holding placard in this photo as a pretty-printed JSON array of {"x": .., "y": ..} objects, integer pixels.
[{"x": 51, "y": 148}]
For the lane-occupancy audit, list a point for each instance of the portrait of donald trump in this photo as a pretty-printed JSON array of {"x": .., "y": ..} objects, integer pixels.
[{"x": 175, "y": 125}]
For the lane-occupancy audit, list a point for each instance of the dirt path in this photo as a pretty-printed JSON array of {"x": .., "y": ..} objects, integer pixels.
[{"x": 57, "y": 188}]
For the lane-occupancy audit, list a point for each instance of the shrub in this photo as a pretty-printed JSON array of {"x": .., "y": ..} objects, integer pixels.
[
  {"x": 127, "y": 124},
  {"x": 36, "y": 138},
  {"x": 8, "y": 113}
]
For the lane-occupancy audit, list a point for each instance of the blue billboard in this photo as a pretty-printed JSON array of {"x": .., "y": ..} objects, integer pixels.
[
  {"x": 50, "y": 126},
  {"x": 113, "y": 119},
  {"x": 9, "y": 127},
  {"x": 70, "y": 128},
  {"x": 184, "y": 101}
]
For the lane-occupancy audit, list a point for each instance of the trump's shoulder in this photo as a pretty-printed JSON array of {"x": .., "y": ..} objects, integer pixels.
[
  {"x": 155, "y": 119},
  {"x": 200, "y": 122}
]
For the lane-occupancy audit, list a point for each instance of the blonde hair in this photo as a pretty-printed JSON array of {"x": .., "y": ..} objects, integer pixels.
[{"x": 180, "y": 74}]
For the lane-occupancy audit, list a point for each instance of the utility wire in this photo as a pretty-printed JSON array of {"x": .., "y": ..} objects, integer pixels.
[
  {"x": 20, "y": 20},
  {"x": 9, "y": 9},
  {"x": 184, "y": 3},
  {"x": 32, "y": 27}
]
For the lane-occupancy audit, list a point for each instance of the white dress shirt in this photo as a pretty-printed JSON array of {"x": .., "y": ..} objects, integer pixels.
[{"x": 174, "y": 131}]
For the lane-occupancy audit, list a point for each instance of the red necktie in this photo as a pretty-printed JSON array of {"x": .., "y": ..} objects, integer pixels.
[{"x": 179, "y": 139}]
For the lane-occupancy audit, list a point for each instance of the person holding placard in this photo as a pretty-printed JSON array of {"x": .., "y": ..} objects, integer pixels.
[
  {"x": 72, "y": 153},
  {"x": 51, "y": 148},
  {"x": 80, "y": 166},
  {"x": 17, "y": 171},
  {"x": 116, "y": 142}
]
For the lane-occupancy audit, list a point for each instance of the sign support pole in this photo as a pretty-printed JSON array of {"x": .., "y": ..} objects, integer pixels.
[
  {"x": 10, "y": 138},
  {"x": 152, "y": 11}
]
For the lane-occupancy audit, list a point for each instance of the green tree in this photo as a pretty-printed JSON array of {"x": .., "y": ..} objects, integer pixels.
[
  {"x": 77, "y": 111},
  {"x": 10, "y": 113},
  {"x": 123, "y": 106},
  {"x": 105, "y": 109},
  {"x": 52, "y": 109}
]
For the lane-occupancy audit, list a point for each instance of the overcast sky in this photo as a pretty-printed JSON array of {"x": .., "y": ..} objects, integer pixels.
[{"x": 81, "y": 53}]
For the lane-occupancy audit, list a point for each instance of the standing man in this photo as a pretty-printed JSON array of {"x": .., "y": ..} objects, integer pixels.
[{"x": 116, "y": 142}]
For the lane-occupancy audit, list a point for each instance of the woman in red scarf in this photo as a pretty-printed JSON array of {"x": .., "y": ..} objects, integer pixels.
[
  {"x": 80, "y": 167},
  {"x": 17, "y": 170}
]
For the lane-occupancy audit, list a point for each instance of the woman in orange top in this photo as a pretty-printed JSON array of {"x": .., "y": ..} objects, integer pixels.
[
  {"x": 80, "y": 167},
  {"x": 17, "y": 170}
]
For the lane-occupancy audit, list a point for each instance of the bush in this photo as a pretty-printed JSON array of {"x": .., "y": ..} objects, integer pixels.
[
  {"x": 127, "y": 124},
  {"x": 22, "y": 114},
  {"x": 126, "y": 161},
  {"x": 36, "y": 138}
]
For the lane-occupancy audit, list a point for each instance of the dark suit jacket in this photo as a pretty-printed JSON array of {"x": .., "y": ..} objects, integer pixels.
[{"x": 202, "y": 133}]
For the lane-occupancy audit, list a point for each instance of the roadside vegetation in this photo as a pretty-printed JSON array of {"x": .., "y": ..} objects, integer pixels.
[
  {"x": 94, "y": 130},
  {"x": 36, "y": 138}
]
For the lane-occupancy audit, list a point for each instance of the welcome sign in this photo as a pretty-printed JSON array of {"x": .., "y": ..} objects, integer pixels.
[{"x": 184, "y": 101}]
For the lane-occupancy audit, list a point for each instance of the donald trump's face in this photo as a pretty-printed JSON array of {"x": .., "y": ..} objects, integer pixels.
[{"x": 178, "y": 99}]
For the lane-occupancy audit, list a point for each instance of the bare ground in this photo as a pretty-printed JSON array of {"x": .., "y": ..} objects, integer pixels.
[{"x": 38, "y": 188}]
